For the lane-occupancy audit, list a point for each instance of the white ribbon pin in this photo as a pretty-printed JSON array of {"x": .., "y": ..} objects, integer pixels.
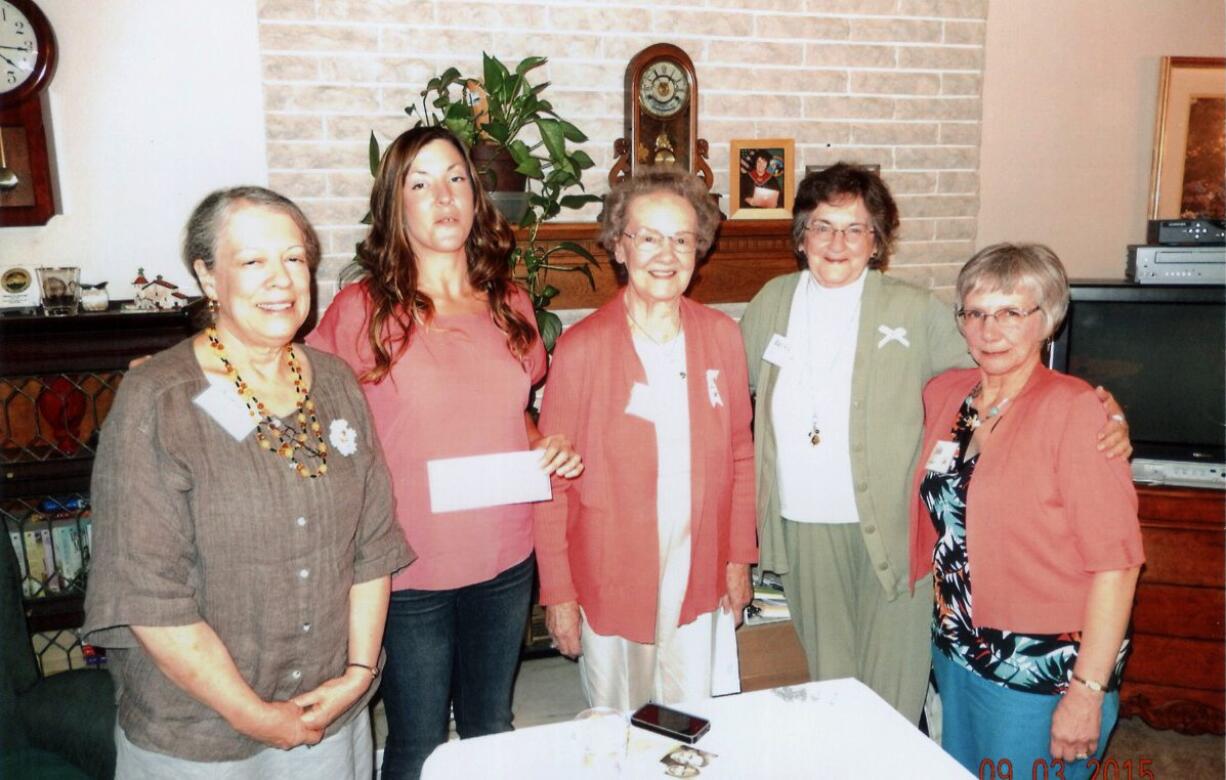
[
  {"x": 889, "y": 334},
  {"x": 712, "y": 390}
]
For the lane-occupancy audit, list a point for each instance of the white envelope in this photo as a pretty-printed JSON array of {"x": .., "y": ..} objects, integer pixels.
[{"x": 487, "y": 480}]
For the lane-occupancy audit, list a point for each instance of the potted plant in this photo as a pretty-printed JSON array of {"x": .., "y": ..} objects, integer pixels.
[{"x": 517, "y": 141}]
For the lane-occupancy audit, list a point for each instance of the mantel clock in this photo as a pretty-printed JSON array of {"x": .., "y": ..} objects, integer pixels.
[{"x": 661, "y": 115}]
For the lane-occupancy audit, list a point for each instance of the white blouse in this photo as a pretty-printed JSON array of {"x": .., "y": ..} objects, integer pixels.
[{"x": 814, "y": 393}]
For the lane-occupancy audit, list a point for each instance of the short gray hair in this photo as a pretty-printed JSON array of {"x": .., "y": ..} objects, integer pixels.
[
  {"x": 207, "y": 220},
  {"x": 1006, "y": 267}
]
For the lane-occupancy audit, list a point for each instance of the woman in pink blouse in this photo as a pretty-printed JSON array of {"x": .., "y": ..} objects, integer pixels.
[{"x": 446, "y": 348}]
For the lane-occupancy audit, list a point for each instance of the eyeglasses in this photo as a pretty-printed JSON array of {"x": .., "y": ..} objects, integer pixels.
[
  {"x": 853, "y": 235},
  {"x": 1009, "y": 319},
  {"x": 650, "y": 242}
]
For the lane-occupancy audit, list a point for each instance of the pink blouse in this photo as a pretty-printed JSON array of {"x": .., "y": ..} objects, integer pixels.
[{"x": 456, "y": 391}]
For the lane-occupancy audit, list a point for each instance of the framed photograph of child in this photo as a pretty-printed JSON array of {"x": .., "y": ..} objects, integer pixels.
[{"x": 762, "y": 178}]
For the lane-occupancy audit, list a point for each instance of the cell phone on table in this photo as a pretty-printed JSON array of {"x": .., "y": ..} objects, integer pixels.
[{"x": 673, "y": 724}]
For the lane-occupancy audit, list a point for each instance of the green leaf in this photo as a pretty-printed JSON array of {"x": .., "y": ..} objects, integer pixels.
[
  {"x": 373, "y": 153},
  {"x": 529, "y": 63},
  {"x": 498, "y": 130},
  {"x": 531, "y": 168},
  {"x": 494, "y": 74},
  {"x": 519, "y": 151},
  {"x": 583, "y": 269},
  {"x": 581, "y": 160},
  {"x": 578, "y": 201},
  {"x": 550, "y": 327},
  {"x": 550, "y": 292},
  {"x": 572, "y": 133},
  {"x": 553, "y": 138},
  {"x": 578, "y": 249}
]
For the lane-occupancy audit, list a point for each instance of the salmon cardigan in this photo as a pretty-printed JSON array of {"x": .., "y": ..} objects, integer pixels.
[
  {"x": 1045, "y": 509},
  {"x": 596, "y": 540}
]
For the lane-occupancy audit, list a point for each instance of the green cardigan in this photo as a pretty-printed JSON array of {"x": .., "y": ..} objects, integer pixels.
[{"x": 887, "y": 412}]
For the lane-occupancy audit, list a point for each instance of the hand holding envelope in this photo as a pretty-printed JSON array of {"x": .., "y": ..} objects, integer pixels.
[
  {"x": 487, "y": 480},
  {"x": 501, "y": 478}
]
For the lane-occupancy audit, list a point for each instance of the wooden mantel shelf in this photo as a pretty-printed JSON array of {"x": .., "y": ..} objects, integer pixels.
[{"x": 746, "y": 254}]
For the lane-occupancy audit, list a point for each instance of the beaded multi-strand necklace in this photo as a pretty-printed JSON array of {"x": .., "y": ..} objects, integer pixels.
[{"x": 291, "y": 443}]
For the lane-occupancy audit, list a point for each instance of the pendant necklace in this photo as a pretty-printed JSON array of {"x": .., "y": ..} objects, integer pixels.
[
  {"x": 291, "y": 443},
  {"x": 995, "y": 410},
  {"x": 810, "y": 381},
  {"x": 671, "y": 345}
]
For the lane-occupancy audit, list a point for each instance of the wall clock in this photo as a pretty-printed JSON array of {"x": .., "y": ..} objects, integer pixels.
[
  {"x": 27, "y": 63},
  {"x": 661, "y": 115}
]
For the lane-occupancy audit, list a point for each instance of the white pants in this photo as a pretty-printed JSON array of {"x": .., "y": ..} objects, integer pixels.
[
  {"x": 698, "y": 661},
  {"x": 349, "y": 753}
]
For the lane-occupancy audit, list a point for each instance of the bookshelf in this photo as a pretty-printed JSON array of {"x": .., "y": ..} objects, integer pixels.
[{"x": 58, "y": 377}]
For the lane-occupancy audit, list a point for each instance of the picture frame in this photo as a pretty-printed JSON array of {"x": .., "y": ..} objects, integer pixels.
[
  {"x": 761, "y": 178},
  {"x": 1189, "y": 136}
]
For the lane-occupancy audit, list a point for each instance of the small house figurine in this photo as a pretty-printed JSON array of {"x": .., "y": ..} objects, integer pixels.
[{"x": 158, "y": 295}]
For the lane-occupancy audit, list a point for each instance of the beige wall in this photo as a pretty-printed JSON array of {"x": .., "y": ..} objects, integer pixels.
[
  {"x": 1069, "y": 100},
  {"x": 893, "y": 82},
  {"x": 153, "y": 104}
]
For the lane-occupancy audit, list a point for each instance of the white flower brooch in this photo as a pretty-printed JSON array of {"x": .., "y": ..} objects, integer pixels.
[{"x": 343, "y": 437}]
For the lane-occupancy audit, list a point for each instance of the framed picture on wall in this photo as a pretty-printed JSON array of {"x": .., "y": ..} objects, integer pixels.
[
  {"x": 762, "y": 178},
  {"x": 1190, "y": 140}
]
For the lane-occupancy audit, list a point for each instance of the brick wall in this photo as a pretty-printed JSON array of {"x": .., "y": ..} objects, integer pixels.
[{"x": 891, "y": 82}]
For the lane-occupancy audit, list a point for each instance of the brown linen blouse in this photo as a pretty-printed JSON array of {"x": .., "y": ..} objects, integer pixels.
[{"x": 191, "y": 525}]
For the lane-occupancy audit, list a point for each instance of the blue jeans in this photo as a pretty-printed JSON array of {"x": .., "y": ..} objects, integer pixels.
[
  {"x": 985, "y": 722},
  {"x": 456, "y": 646}
]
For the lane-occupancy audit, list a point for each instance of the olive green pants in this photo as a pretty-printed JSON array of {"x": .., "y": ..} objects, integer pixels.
[{"x": 847, "y": 625}]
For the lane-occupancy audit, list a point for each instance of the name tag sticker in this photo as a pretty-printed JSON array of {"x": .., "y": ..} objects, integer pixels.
[
  {"x": 942, "y": 458},
  {"x": 640, "y": 402},
  {"x": 222, "y": 403},
  {"x": 778, "y": 351}
]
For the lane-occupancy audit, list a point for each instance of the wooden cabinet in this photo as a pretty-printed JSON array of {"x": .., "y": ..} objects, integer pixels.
[
  {"x": 1176, "y": 678},
  {"x": 58, "y": 377},
  {"x": 770, "y": 656}
]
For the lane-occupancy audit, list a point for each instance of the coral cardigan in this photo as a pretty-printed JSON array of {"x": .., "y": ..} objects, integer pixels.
[
  {"x": 1045, "y": 510},
  {"x": 596, "y": 541}
]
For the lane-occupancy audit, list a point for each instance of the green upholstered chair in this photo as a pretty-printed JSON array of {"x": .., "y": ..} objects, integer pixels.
[{"x": 54, "y": 727}]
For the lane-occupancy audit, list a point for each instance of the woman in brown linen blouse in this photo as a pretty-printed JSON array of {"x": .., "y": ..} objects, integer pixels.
[{"x": 244, "y": 536}]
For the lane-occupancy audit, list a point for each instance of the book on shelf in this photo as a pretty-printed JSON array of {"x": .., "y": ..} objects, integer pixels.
[
  {"x": 19, "y": 549},
  {"x": 36, "y": 564},
  {"x": 67, "y": 542}
]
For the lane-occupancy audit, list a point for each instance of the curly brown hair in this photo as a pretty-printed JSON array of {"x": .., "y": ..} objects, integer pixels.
[
  {"x": 836, "y": 184},
  {"x": 397, "y": 305}
]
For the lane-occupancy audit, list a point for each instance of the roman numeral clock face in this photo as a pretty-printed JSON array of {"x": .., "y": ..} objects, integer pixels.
[
  {"x": 663, "y": 89},
  {"x": 18, "y": 48}
]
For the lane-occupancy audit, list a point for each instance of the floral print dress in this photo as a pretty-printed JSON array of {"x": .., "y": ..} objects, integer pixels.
[{"x": 1033, "y": 663}]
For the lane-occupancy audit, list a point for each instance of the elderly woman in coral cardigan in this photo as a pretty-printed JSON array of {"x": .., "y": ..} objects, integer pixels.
[
  {"x": 1013, "y": 498},
  {"x": 644, "y": 559}
]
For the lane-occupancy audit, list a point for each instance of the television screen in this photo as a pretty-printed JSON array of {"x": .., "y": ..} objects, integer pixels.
[{"x": 1165, "y": 361}]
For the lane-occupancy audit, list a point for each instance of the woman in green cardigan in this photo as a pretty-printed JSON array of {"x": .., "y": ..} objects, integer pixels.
[{"x": 838, "y": 355}]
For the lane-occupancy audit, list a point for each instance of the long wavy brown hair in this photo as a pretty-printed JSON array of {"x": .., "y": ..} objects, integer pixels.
[{"x": 397, "y": 306}]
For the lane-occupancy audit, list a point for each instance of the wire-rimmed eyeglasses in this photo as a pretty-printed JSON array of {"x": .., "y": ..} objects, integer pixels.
[
  {"x": 853, "y": 235},
  {"x": 649, "y": 241},
  {"x": 1009, "y": 318}
]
